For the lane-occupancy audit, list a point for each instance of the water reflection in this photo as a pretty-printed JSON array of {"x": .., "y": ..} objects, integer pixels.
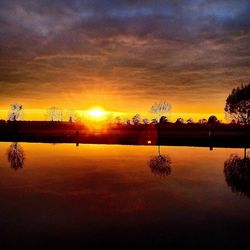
[
  {"x": 237, "y": 174},
  {"x": 15, "y": 156},
  {"x": 160, "y": 164}
]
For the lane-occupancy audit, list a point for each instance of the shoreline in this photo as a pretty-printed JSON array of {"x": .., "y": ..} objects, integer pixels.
[{"x": 169, "y": 134}]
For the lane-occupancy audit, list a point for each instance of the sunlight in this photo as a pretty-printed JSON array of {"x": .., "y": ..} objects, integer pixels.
[{"x": 97, "y": 113}]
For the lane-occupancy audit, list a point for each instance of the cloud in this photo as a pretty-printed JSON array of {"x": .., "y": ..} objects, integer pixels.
[{"x": 145, "y": 49}]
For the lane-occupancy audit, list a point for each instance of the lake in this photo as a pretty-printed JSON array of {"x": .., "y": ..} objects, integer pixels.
[{"x": 63, "y": 196}]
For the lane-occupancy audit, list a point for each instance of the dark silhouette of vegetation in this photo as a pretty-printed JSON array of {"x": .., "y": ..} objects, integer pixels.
[
  {"x": 213, "y": 120},
  {"x": 128, "y": 122},
  {"x": 136, "y": 119},
  {"x": 237, "y": 174},
  {"x": 202, "y": 121},
  {"x": 160, "y": 165},
  {"x": 160, "y": 108},
  {"x": 163, "y": 119},
  {"x": 179, "y": 121},
  {"x": 55, "y": 114},
  {"x": 73, "y": 116},
  {"x": 190, "y": 121},
  {"x": 154, "y": 121},
  {"x": 238, "y": 104},
  {"x": 229, "y": 135},
  {"x": 15, "y": 156},
  {"x": 16, "y": 111},
  {"x": 145, "y": 121}
]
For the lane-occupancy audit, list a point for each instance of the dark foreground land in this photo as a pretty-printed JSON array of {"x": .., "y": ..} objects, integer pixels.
[{"x": 212, "y": 135}]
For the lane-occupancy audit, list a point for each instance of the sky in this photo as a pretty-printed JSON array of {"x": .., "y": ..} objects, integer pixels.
[{"x": 123, "y": 55}]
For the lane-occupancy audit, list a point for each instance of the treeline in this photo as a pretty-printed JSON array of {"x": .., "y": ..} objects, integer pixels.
[
  {"x": 237, "y": 110},
  {"x": 45, "y": 125},
  {"x": 63, "y": 125}
]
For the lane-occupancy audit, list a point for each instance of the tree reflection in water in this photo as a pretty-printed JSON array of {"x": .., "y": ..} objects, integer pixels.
[
  {"x": 15, "y": 156},
  {"x": 160, "y": 164},
  {"x": 237, "y": 174}
]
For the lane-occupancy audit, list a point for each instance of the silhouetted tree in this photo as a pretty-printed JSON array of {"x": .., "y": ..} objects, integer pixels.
[
  {"x": 55, "y": 114},
  {"x": 128, "y": 122},
  {"x": 190, "y": 121},
  {"x": 179, "y": 121},
  {"x": 15, "y": 156},
  {"x": 145, "y": 121},
  {"x": 237, "y": 174},
  {"x": 73, "y": 116},
  {"x": 203, "y": 121},
  {"x": 238, "y": 104},
  {"x": 16, "y": 111},
  {"x": 163, "y": 119},
  {"x": 212, "y": 120},
  {"x": 136, "y": 119},
  {"x": 154, "y": 121},
  {"x": 160, "y": 108}
]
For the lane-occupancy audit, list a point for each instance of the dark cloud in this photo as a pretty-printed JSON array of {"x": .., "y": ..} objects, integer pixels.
[{"x": 145, "y": 48}]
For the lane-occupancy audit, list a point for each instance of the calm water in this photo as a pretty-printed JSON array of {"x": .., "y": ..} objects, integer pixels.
[{"x": 63, "y": 196}]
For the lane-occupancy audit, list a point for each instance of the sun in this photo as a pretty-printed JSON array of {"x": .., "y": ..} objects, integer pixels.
[{"x": 97, "y": 113}]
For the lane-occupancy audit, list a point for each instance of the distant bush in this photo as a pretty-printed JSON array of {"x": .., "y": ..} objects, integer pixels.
[
  {"x": 163, "y": 119},
  {"x": 190, "y": 121},
  {"x": 213, "y": 120},
  {"x": 203, "y": 121},
  {"x": 179, "y": 121}
]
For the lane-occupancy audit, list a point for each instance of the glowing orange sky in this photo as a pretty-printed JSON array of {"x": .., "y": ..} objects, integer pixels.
[{"x": 123, "y": 56}]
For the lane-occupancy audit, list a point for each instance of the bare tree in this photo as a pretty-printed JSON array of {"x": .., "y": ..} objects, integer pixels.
[
  {"x": 55, "y": 114},
  {"x": 73, "y": 116},
  {"x": 60, "y": 115},
  {"x": 16, "y": 112},
  {"x": 160, "y": 108}
]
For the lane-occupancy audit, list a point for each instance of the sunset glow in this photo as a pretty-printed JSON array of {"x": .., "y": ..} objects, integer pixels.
[
  {"x": 97, "y": 113},
  {"x": 124, "y": 124},
  {"x": 122, "y": 56}
]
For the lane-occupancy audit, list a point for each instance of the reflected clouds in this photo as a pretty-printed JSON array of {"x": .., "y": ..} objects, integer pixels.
[
  {"x": 237, "y": 174},
  {"x": 15, "y": 155}
]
